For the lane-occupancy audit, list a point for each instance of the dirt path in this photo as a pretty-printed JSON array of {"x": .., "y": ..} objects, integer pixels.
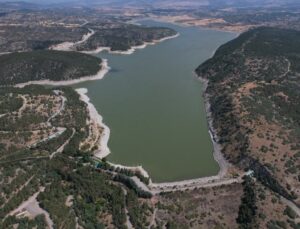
[
  {"x": 157, "y": 188},
  {"x": 292, "y": 206},
  {"x": 60, "y": 131},
  {"x": 31, "y": 207},
  {"x": 84, "y": 23},
  {"x": 128, "y": 223},
  {"x": 247, "y": 42},
  {"x": 16, "y": 193},
  {"x": 62, "y": 147},
  {"x": 22, "y": 108},
  {"x": 288, "y": 69},
  {"x": 153, "y": 222},
  {"x": 191, "y": 184},
  {"x": 62, "y": 106}
]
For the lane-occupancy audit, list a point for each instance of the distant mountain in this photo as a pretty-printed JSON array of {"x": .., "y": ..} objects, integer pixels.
[
  {"x": 252, "y": 3},
  {"x": 7, "y": 5},
  {"x": 156, "y": 3}
]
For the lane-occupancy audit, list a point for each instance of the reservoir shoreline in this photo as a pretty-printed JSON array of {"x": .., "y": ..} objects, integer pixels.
[
  {"x": 132, "y": 49},
  {"x": 104, "y": 68},
  {"x": 222, "y": 165},
  {"x": 103, "y": 151},
  {"x": 154, "y": 187}
]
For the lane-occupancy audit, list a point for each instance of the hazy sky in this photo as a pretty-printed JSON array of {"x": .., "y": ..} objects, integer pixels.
[{"x": 157, "y": 2}]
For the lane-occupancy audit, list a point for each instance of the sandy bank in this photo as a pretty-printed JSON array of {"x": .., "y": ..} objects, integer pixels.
[
  {"x": 96, "y": 119},
  {"x": 100, "y": 74},
  {"x": 218, "y": 156},
  {"x": 103, "y": 149},
  {"x": 132, "y": 49}
]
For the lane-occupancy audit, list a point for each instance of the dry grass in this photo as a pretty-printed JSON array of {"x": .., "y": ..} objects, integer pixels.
[
  {"x": 201, "y": 208},
  {"x": 269, "y": 141},
  {"x": 269, "y": 207}
]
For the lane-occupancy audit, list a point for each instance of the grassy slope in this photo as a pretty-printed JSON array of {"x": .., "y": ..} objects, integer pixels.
[{"x": 40, "y": 65}]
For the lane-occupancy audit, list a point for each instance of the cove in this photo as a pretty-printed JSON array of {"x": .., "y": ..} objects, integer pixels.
[{"x": 152, "y": 102}]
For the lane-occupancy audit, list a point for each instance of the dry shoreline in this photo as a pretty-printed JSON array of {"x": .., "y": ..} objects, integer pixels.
[
  {"x": 168, "y": 186},
  {"x": 95, "y": 117},
  {"x": 100, "y": 74},
  {"x": 217, "y": 154},
  {"x": 103, "y": 146},
  {"x": 132, "y": 49},
  {"x": 103, "y": 149},
  {"x": 68, "y": 46}
]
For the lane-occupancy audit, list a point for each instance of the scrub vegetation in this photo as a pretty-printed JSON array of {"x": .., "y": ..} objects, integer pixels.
[
  {"x": 28, "y": 30},
  {"x": 253, "y": 89},
  {"x": 46, "y": 65},
  {"x": 68, "y": 185},
  {"x": 123, "y": 37},
  {"x": 254, "y": 94}
]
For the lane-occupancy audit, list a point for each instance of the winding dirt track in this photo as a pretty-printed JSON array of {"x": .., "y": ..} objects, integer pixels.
[{"x": 31, "y": 205}]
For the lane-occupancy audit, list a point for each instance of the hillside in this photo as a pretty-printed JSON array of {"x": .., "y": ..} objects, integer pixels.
[
  {"x": 41, "y": 65},
  {"x": 46, "y": 180},
  {"x": 50, "y": 176},
  {"x": 41, "y": 29},
  {"x": 253, "y": 89},
  {"x": 123, "y": 37}
]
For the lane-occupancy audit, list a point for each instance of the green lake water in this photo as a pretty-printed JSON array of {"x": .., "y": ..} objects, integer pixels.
[{"x": 153, "y": 105}]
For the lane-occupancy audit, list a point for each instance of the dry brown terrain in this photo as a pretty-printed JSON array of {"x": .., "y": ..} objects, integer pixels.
[
  {"x": 213, "y": 23},
  {"x": 270, "y": 142},
  {"x": 215, "y": 207},
  {"x": 271, "y": 210}
]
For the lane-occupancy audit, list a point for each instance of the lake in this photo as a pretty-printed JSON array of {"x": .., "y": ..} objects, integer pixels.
[{"x": 152, "y": 102}]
